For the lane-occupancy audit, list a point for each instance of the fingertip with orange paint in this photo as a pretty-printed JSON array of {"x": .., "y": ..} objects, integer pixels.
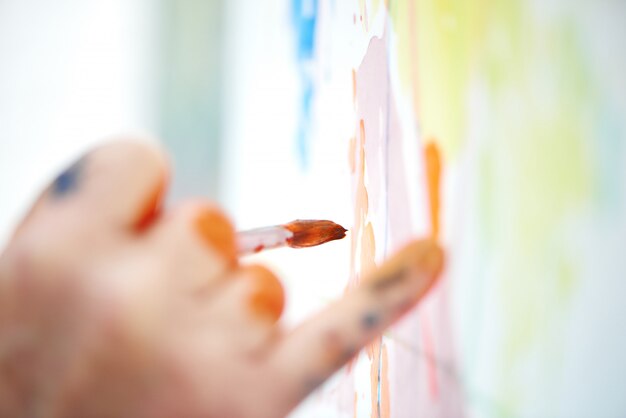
[
  {"x": 218, "y": 232},
  {"x": 433, "y": 261},
  {"x": 267, "y": 297}
]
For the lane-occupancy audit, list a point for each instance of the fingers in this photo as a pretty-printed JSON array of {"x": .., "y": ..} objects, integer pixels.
[
  {"x": 118, "y": 185},
  {"x": 197, "y": 242},
  {"x": 315, "y": 350}
]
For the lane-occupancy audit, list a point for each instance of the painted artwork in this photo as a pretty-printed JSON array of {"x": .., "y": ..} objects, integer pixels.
[{"x": 498, "y": 127}]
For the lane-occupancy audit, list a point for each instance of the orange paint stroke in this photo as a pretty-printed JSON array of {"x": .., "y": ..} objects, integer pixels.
[
  {"x": 432, "y": 159},
  {"x": 361, "y": 204},
  {"x": 362, "y": 133},
  {"x": 352, "y": 154},
  {"x": 384, "y": 385},
  {"x": 368, "y": 250},
  {"x": 373, "y": 351},
  {"x": 377, "y": 352}
]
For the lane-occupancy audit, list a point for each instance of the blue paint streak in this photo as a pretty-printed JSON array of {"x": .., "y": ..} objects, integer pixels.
[{"x": 304, "y": 17}]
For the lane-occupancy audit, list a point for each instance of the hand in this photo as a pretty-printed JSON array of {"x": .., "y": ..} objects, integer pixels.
[{"x": 112, "y": 307}]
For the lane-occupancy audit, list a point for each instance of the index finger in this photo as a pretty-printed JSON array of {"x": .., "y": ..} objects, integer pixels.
[{"x": 315, "y": 350}]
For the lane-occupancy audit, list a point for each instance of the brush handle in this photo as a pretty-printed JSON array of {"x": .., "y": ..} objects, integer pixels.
[{"x": 260, "y": 239}]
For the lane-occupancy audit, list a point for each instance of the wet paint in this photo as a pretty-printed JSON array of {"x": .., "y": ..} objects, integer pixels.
[
  {"x": 310, "y": 233},
  {"x": 432, "y": 161}
]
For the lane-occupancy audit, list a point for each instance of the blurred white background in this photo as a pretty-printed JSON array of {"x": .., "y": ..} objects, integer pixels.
[
  {"x": 71, "y": 74},
  {"x": 74, "y": 73}
]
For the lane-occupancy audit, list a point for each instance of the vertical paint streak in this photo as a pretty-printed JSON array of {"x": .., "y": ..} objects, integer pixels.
[
  {"x": 352, "y": 154},
  {"x": 368, "y": 250},
  {"x": 304, "y": 18},
  {"x": 383, "y": 401},
  {"x": 432, "y": 159},
  {"x": 374, "y": 353}
]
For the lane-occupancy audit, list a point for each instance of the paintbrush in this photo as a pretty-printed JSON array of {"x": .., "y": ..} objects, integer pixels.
[{"x": 296, "y": 234}]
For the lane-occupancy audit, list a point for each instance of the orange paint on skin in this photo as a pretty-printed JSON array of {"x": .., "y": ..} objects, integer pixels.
[
  {"x": 425, "y": 257},
  {"x": 217, "y": 231},
  {"x": 267, "y": 299},
  {"x": 149, "y": 210},
  {"x": 432, "y": 160}
]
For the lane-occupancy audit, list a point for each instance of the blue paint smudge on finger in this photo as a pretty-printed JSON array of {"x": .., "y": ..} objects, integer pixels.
[{"x": 68, "y": 180}]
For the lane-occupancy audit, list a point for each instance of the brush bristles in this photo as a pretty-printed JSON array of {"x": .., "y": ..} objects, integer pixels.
[{"x": 309, "y": 233}]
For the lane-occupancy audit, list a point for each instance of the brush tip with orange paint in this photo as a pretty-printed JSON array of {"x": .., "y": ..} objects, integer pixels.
[
  {"x": 297, "y": 234},
  {"x": 309, "y": 233}
]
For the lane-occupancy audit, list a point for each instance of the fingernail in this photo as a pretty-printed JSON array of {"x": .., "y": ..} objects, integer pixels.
[
  {"x": 267, "y": 298},
  {"x": 218, "y": 233}
]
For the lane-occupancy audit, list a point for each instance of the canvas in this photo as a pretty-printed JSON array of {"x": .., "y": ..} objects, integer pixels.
[{"x": 497, "y": 126}]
